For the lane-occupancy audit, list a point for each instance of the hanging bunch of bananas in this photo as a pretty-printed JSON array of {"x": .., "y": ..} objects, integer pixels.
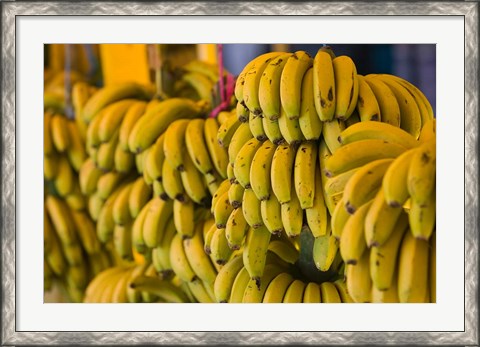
[
  {"x": 73, "y": 254},
  {"x": 308, "y": 132}
]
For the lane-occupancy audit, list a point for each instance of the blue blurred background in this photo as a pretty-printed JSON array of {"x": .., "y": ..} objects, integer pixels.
[{"x": 413, "y": 62}]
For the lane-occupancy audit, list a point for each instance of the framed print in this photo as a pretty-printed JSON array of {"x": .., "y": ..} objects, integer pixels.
[{"x": 203, "y": 159}]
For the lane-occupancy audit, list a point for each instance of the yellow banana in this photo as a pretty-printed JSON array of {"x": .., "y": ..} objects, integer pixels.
[
  {"x": 260, "y": 169},
  {"x": 223, "y": 187},
  {"x": 290, "y": 128},
  {"x": 324, "y": 85},
  {"x": 388, "y": 104},
  {"x": 340, "y": 216},
  {"x": 174, "y": 143},
  {"x": 218, "y": 154},
  {"x": 140, "y": 194},
  {"x": 422, "y": 217},
  {"x": 162, "y": 251},
  {"x": 179, "y": 261},
  {"x": 239, "y": 285},
  {"x": 282, "y": 172},
  {"x": 242, "y": 113},
  {"x": 316, "y": 216},
  {"x": 154, "y": 122},
  {"x": 304, "y": 173},
  {"x": 413, "y": 269},
  {"x": 428, "y": 131},
  {"x": 197, "y": 258},
  {"x": 172, "y": 182},
  {"x": 291, "y": 82},
  {"x": 65, "y": 179},
  {"x": 157, "y": 216},
  {"x": 183, "y": 216},
  {"x": 154, "y": 158},
  {"x": 254, "y": 293},
  {"x": 86, "y": 232},
  {"x": 208, "y": 69},
  {"x": 80, "y": 95},
  {"x": 352, "y": 239},
  {"x": 220, "y": 251},
  {"x": 105, "y": 222},
  {"x": 384, "y": 258},
  {"x": 243, "y": 162},
  {"x": 277, "y": 287},
  {"x": 410, "y": 117},
  {"x": 112, "y": 118},
  {"x": 256, "y": 126},
  {"x": 269, "y": 87},
  {"x": 236, "y": 229},
  {"x": 133, "y": 114},
  {"x": 359, "y": 283},
  {"x": 110, "y": 94},
  {"x": 367, "y": 105},
  {"x": 222, "y": 210},
  {"x": 193, "y": 183},
  {"x": 336, "y": 184},
  {"x": 94, "y": 205},
  {"x": 200, "y": 83},
  {"x": 271, "y": 212},
  {"x": 122, "y": 241},
  {"x": 309, "y": 121},
  {"x": 226, "y": 130},
  {"x": 108, "y": 182},
  {"x": 251, "y": 208},
  {"x": 61, "y": 219},
  {"x": 76, "y": 151},
  {"x": 294, "y": 293},
  {"x": 342, "y": 289},
  {"x": 235, "y": 194},
  {"x": 196, "y": 146},
  {"x": 255, "y": 252},
  {"x": 106, "y": 154},
  {"x": 422, "y": 173},
  {"x": 50, "y": 166},
  {"x": 291, "y": 215},
  {"x": 359, "y": 153},
  {"x": 272, "y": 130},
  {"x": 224, "y": 280},
  {"x": 312, "y": 293},
  {"x": 241, "y": 136},
  {"x": 60, "y": 133},
  {"x": 121, "y": 210},
  {"x": 331, "y": 132},
  {"x": 394, "y": 182},
  {"x": 346, "y": 86},
  {"x": 380, "y": 220},
  {"x": 386, "y": 296},
  {"x": 160, "y": 288},
  {"x": 364, "y": 184},
  {"x": 124, "y": 161}
]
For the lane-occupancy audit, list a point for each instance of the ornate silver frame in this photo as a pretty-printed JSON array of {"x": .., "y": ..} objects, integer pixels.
[{"x": 11, "y": 9}]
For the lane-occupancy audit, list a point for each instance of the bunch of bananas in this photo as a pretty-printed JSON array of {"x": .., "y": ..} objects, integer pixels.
[{"x": 73, "y": 254}]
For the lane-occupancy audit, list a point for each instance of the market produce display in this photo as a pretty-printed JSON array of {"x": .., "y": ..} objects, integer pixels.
[{"x": 311, "y": 183}]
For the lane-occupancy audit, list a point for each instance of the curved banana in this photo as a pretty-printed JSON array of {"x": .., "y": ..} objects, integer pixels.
[
  {"x": 260, "y": 169},
  {"x": 346, "y": 86},
  {"x": 183, "y": 217},
  {"x": 377, "y": 130},
  {"x": 413, "y": 269},
  {"x": 367, "y": 105},
  {"x": 422, "y": 217},
  {"x": 50, "y": 166},
  {"x": 340, "y": 216},
  {"x": 380, "y": 220},
  {"x": 235, "y": 194},
  {"x": 316, "y": 216},
  {"x": 428, "y": 131},
  {"x": 241, "y": 136},
  {"x": 162, "y": 252},
  {"x": 236, "y": 229},
  {"x": 281, "y": 172},
  {"x": 61, "y": 220},
  {"x": 359, "y": 153},
  {"x": 359, "y": 283},
  {"x": 172, "y": 182},
  {"x": 294, "y": 293},
  {"x": 59, "y": 132},
  {"x": 218, "y": 154},
  {"x": 255, "y": 123},
  {"x": 154, "y": 122},
  {"x": 254, "y": 293},
  {"x": 290, "y": 128},
  {"x": 325, "y": 249},
  {"x": 342, "y": 289},
  {"x": 106, "y": 154},
  {"x": 65, "y": 178},
  {"x": 86, "y": 231},
  {"x": 179, "y": 261},
  {"x": 222, "y": 210},
  {"x": 222, "y": 188},
  {"x": 255, "y": 252},
  {"x": 220, "y": 251},
  {"x": 201, "y": 84},
  {"x": 140, "y": 194},
  {"x": 133, "y": 114},
  {"x": 226, "y": 130},
  {"x": 304, "y": 173},
  {"x": 76, "y": 151},
  {"x": 272, "y": 130},
  {"x": 271, "y": 212},
  {"x": 285, "y": 250},
  {"x": 239, "y": 285},
  {"x": 384, "y": 258},
  {"x": 331, "y": 132},
  {"x": 394, "y": 184},
  {"x": 122, "y": 241},
  {"x": 157, "y": 216},
  {"x": 193, "y": 183},
  {"x": 174, "y": 143},
  {"x": 291, "y": 82},
  {"x": 388, "y": 104},
  {"x": 112, "y": 118},
  {"x": 124, "y": 161},
  {"x": 121, "y": 210},
  {"x": 243, "y": 161},
  {"x": 269, "y": 87},
  {"x": 422, "y": 173},
  {"x": 336, "y": 184},
  {"x": 364, "y": 184},
  {"x": 277, "y": 287},
  {"x": 291, "y": 215},
  {"x": 242, "y": 113},
  {"x": 324, "y": 85},
  {"x": 94, "y": 205},
  {"x": 196, "y": 146},
  {"x": 251, "y": 209},
  {"x": 160, "y": 288},
  {"x": 309, "y": 121},
  {"x": 312, "y": 293}
]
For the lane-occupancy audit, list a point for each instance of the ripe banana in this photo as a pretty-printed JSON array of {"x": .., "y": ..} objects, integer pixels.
[
  {"x": 192, "y": 182},
  {"x": 122, "y": 241},
  {"x": 255, "y": 252},
  {"x": 196, "y": 146},
  {"x": 282, "y": 172},
  {"x": 359, "y": 283},
  {"x": 389, "y": 108},
  {"x": 158, "y": 214},
  {"x": 359, "y": 153},
  {"x": 364, "y": 184},
  {"x": 106, "y": 154},
  {"x": 290, "y": 128},
  {"x": 256, "y": 126},
  {"x": 198, "y": 259},
  {"x": 61, "y": 220},
  {"x": 352, "y": 239},
  {"x": 394, "y": 182},
  {"x": 201, "y": 84},
  {"x": 251, "y": 209},
  {"x": 254, "y": 293},
  {"x": 380, "y": 220},
  {"x": 304, "y": 173},
  {"x": 340, "y": 216},
  {"x": 133, "y": 114},
  {"x": 271, "y": 212},
  {"x": 346, "y": 86},
  {"x": 422, "y": 217},
  {"x": 384, "y": 258},
  {"x": 316, "y": 216},
  {"x": 218, "y": 154},
  {"x": 121, "y": 210},
  {"x": 183, "y": 217},
  {"x": 386, "y": 296},
  {"x": 236, "y": 229},
  {"x": 179, "y": 261},
  {"x": 243, "y": 162},
  {"x": 65, "y": 179},
  {"x": 220, "y": 251},
  {"x": 154, "y": 158},
  {"x": 162, "y": 251},
  {"x": 154, "y": 122},
  {"x": 291, "y": 82},
  {"x": 309, "y": 121},
  {"x": 108, "y": 95},
  {"x": 225, "y": 278},
  {"x": 161, "y": 288},
  {"x": 324, "y": 85},
  {"x": 413, "y": 269},
  {"x": 223, "y": 187},
  {"x": 48, "y": 146},
  {"x": 336, "y": 184},
  {"x": 331, "y": 132},
  {"x": 226, "y": 130},
  {"x": 94, "y": 205},
  {"x": 367, "y": 105},
  {"x": 235, "y": 194},
  {"x": 172, "y": 182},
  {"x": 124, "y": 161},
  {"x": 50, "y": 166},
  {"x": 140, "y": 194},
  {"x": 241, "y": 136},
  {"x": 269, "y": 87},
  {"x": 239, "y": 285},
  {"x": 428, "y": 131},
  {"x": 342, "y": 289},
  {"x": 312, "y": 293},
  {"x": 76, "y": 151},
  {"x": 291, "y": 215},
  {"x": 422, "y": 173},
  {"x": 410, "y": 117},
  {"x": 294, "y": 293},
  {"x": 59, "y": 132},
  {"x": 377, "y": 130},
  {"x": 272, "y": 130},
  {"x": 242, "y": 113},
  {"x": 277, "y": 287},
  {"x": 112, "y": 118},
  {"x": 260, "y": 169}
]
